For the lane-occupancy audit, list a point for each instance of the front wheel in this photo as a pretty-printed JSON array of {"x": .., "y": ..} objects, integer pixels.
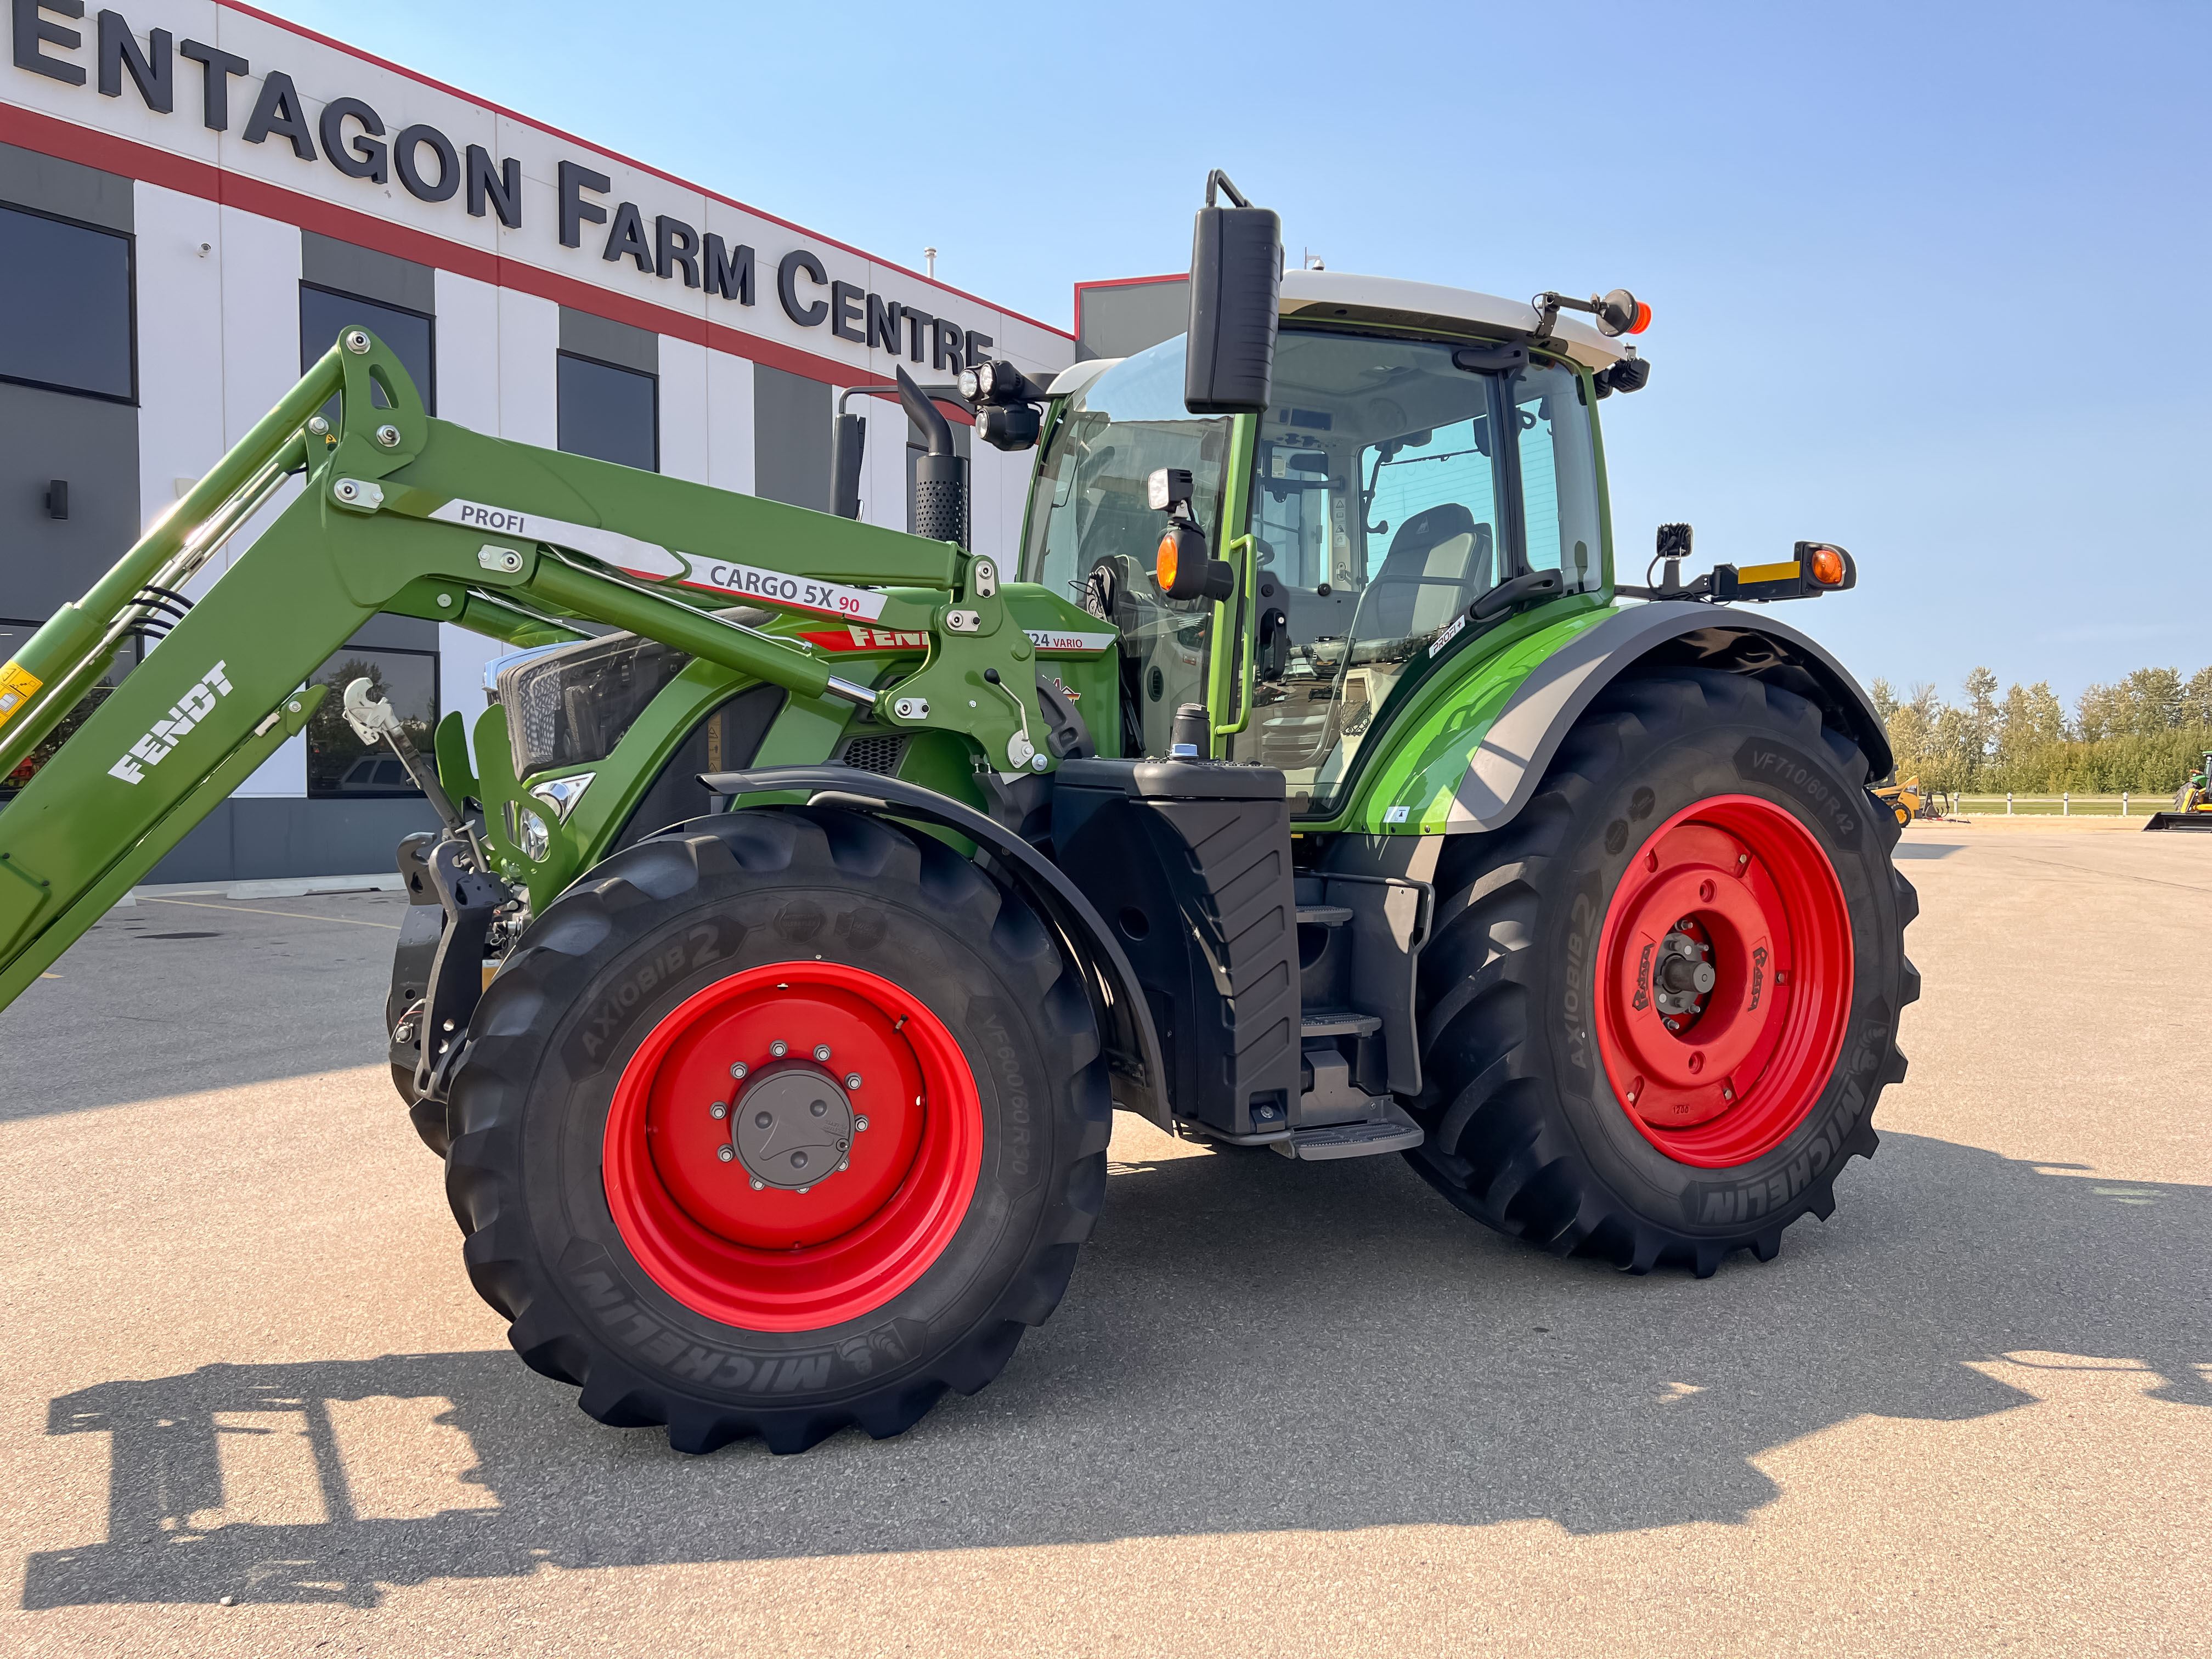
[
  {"x": 1660, "y": 1005},
  {"x": 789, "y": 1120}
]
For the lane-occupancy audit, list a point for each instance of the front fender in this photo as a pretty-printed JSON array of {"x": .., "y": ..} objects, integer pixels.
[
  {"x": 1125, "y": 1018},
  {"x": 1511, "y": 761}
]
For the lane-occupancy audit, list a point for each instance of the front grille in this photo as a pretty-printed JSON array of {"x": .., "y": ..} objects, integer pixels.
[
  {"x": 571, "y": 707},
  {"x": 879, "y": 755}
]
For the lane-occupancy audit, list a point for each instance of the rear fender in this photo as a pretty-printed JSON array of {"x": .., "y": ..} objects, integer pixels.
[
  {"x": 1125, "y": 1019},
  {"x": 1518, "y": 748}
]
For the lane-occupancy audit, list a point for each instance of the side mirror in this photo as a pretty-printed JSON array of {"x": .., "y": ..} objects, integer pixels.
[{"x": 1235, "y": 285}]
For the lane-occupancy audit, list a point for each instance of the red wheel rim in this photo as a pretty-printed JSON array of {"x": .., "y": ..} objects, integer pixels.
[
  {"x": 685, "y": 1185},
  {"x": 1744, "y": 1061}
]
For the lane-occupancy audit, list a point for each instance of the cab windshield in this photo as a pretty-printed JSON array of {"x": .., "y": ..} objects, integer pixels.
[{"x": 1092, "y": 530}]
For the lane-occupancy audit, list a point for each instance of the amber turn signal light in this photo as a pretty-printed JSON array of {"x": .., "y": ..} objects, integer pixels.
[
  {"x": 1825, "y": 567},
  {"x": 1167, "y": 564},
  {"x": 1184, "y": 570}
]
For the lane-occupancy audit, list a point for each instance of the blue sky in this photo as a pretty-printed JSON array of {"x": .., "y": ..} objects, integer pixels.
[{"x": 1928, "y": 281}]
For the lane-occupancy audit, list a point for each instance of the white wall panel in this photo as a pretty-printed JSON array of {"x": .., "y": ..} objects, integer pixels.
[
  {"x": 529, "y": 383},
  {"x": 730, "y": 422},
  {"x": 684, "y": 443},
  {"x": 181, "y": 416},
  {"x": 478, "y": 388},
  {"x": 467, "y": 333},
  {"x": 882, "y": 474},
  {"x": 258, "y": 270}
]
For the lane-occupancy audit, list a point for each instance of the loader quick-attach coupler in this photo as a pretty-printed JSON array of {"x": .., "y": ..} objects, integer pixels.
[{"x": 472, "y": 901}]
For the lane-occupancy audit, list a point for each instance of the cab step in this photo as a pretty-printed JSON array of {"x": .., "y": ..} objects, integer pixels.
[
  {"x": 1324, "y": 915},
  {"x": 1338, "y": 1022},
  {"x": 1393, "y": 1131}
]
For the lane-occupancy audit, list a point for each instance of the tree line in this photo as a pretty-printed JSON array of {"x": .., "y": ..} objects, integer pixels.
[{"x": 2144, "y": 733}]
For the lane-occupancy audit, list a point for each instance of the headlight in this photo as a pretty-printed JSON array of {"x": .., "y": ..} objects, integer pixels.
[{"x": 536, "y": 839}]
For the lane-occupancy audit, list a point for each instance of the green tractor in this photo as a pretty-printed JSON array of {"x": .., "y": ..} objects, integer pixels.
[{"x": 811, "y": 893}]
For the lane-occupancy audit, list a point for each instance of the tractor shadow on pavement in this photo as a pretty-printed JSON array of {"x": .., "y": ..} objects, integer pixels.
[{"x": 1249, "y": 1345}]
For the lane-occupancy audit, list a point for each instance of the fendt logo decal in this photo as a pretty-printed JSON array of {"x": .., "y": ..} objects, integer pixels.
[{"x": 188, "y": 711}]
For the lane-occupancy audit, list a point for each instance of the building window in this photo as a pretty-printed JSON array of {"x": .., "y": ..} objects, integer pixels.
[
  {"x": 325, "y": 313},
  {"x": 610, "y": 414},
  {"x": 65, "y": 312},
  {"x": 339, "y": 768}
]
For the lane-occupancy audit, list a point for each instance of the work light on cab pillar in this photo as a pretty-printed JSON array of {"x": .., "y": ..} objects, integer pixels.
[{"x": 811, "y": 893}]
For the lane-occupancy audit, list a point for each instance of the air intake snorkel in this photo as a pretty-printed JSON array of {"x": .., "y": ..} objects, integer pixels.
[{"x": 940, "y": 476}]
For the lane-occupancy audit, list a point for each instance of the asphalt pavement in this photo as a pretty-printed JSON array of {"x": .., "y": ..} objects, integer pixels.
[{"x": 1284, "y": 1409}]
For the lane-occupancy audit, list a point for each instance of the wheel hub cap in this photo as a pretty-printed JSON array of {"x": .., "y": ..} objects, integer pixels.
[{"x": 794, "y": 1128}]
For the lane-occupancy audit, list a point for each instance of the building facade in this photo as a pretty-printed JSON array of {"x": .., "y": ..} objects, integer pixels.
[{"x": 195, "y": 196}]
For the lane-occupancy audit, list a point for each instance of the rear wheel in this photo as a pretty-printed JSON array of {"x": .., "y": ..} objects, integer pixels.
[
  {"x": 1659, "y": 1006},
  {"x": 787, "y": 1121}
]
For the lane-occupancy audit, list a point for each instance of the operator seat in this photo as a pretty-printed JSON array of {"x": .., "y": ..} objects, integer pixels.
[{"x": 1440, "y": 562}]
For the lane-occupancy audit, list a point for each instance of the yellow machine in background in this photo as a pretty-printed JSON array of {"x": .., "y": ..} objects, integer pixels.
[
  {"x": 1908, "y": 800},
  {"x": 2192, "y": 803}
]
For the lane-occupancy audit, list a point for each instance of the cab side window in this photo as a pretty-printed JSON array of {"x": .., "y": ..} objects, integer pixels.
[{"x": 1559, "y": 475}]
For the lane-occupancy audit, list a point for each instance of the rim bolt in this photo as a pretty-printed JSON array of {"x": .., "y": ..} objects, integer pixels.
[
  {"x": 740, "y": 1069},
  {"x": 859, "y": 1123},
  {"x": 821, "y": 1051},
  {"x": 851, "y": 1079},
  {"x": 1782, "y": 976},
  {"x": 719, "y": 1110},
  {"x": 726, "y": 1153},
  {"x": 803, "y": 1190},
  {"x": 779, "y": 1047},
  {"x": 844, "y": 1164},
  {"x": 757, "y": 1184}
]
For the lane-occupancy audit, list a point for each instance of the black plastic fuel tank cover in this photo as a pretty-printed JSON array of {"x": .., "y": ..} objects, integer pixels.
[{"x": 1192, "y": 860}]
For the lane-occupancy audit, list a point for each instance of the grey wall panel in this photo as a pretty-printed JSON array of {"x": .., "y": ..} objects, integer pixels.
[
  {"x": 791, "y": 438},
  {"x": 68, "y": 188},
  {"x": 257, "y": 838},
  {"x": 329, "y": 262},
  {"x": 619, "y": 343},
  {"x": 92, "y": 443},
  {"x": 1115, "y": 322}
]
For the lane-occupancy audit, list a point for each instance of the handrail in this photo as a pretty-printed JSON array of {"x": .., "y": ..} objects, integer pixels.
[
  {"x": 1246, "y": 636},
  {"x": 67, "y": 656}
]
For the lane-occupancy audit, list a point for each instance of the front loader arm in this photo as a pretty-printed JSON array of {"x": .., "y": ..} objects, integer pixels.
[{"x": 405, "y": 512}]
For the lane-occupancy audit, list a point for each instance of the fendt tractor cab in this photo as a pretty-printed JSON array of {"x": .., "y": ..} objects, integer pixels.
[{"x": 810, "y": 893}]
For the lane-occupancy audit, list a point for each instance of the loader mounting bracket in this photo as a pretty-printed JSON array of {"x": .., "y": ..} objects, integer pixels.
[{"x": 471, "y": 900}]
